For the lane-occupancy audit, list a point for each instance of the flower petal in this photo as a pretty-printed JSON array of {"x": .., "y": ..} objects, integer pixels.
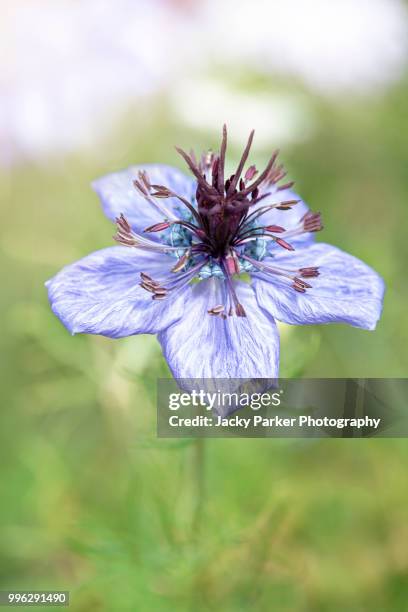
[
  {"x": 284, "y": 218},
  {"x": 100, "y": 294},
  {"x": 118, "y": 194},
  {"x": 347, "y": 290},
  {"x": 204, "y": 346}
]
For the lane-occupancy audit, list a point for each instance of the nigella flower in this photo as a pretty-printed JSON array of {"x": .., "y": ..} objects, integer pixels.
[{"x": 187, "y": 247}]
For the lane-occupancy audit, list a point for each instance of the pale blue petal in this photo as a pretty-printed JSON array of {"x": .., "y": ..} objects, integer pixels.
[
  {"x": 202, "y": 346},
  {"x": 100, "y": 294},
  {"x": 347, "y": 290},
  {"x": 119, "y": 196}
]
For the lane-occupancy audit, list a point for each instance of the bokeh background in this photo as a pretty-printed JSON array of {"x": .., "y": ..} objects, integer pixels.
[{"x": 91, "y": 500}]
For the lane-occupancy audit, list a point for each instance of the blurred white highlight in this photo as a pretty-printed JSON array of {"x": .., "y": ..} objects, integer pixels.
[
  {"x": 332, "y": 45},
  {"x": 68, "y": 68},
  {"x": 204, "y": 104}
]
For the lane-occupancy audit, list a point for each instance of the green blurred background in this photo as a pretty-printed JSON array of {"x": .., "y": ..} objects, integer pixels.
[{"x": 93, "y": 502}]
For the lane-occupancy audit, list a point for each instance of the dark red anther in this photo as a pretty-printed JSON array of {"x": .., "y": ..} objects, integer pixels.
[
  {"x": 216, "y": 310},
  {"x": 145, "y": 276},
  {"x": 312, "y": 222},
  {"x": 124, "y": 240},
  {"x": 160, "y": 291},
  {"x": 182, "y": 262},
  {"x": 161, "y": 191},
  {"x": 287, "y": 204},
  {"x": 140, "y": 187},
  {"x": 275, "y": 229},
  {"x": 124, "y": 234},
  {"x": 284, "y": 244},
  {"x": 152, "y": 286},
  {"x": 286, "y": 186},
  {"x": 302, "y": 283},
  {"x": 311, "y": 272},
  {"x": 147, "y": 287},
  {"x": 239, "y": 310},
  {"x": 148, "y": 280},
  {"x": 158, "y": 227},
  {"x": 250, "y": 173},
  {"x": 255, "y": 193},
  {"x": 144, "y": 177}
]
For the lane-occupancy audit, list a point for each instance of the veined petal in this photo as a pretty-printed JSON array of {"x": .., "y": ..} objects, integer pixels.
[
  {"x": 201, "y": 346},
  {"x": 118, "y": 194},
  {"x": 100, "y": 294},
  {"x": 347, "y": 290}
]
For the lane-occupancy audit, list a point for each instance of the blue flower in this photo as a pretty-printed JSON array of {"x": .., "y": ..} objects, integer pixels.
[{"x": 185, "y": 246}]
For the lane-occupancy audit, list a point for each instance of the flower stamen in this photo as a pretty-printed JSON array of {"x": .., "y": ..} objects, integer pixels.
[
  {"x": 220, "y": 231},
  {"x": 298, "y": 284},
  {"x": 216, "y": 310},
  {"x": 127, "y": 237}
]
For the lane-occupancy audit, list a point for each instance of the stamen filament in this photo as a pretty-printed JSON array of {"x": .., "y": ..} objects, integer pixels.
[
  {"x": 127, "y": 237},
  {"x": 265, "y": 268},
  {"x": 239, "y": 309},
  {"x": 259, "y": 212},
  {"x": 166, "y": 212}
]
